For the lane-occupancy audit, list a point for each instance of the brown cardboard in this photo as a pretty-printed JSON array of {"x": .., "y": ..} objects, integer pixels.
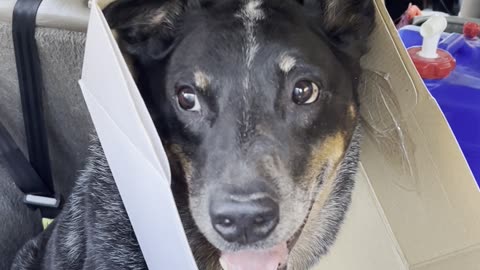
[{"x": 413, "y": 174}]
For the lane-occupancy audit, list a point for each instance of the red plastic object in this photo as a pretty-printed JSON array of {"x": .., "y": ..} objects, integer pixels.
[
  {"x": 413, "y": 11},
  {"x": 471, "y": 30},
  {"x": 407, "y": 17},
  {"x": 433, "y": 69}
]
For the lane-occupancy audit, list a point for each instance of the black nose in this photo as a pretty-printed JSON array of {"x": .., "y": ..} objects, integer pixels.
[{"x": 244, "y": 221}]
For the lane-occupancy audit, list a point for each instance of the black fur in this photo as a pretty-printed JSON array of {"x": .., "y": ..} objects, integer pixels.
[
  {"x": 92, "y": 232},
  {"x": 19, "y": 223}
]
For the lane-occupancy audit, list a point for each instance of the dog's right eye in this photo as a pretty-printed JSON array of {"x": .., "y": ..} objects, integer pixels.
[
  {"x": 305, "y": 92},
  {"x": 187, "y": 99}
]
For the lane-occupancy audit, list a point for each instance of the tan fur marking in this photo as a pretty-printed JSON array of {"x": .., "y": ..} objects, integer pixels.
[
  {"x": 177, "y": 151},
  {"x": 330, "y": 151},
  {"x": 165, "y": 15},
  {"x": 325, "y": 192},
  {"x": 287, "y": 63},
  {"x": 250, "y": 14},
  {"x": 331, "y": 12},
  {"x": 322, "y": 198},
  {"x": 352, "y": 111},
  {"x": 159, "y": 17},
  {"x": 253, "y": 11},
  {"x": 304, "y": 242},
  {"x": 202, "y": 80},
  {"x": 329, "y": 154}
]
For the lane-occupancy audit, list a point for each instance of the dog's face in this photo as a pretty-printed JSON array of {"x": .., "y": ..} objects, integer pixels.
[{"x": 256, "y": 104}]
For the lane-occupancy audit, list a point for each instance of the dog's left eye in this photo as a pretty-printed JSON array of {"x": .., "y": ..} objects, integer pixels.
[
  {"x": 187, "y": 99},
  {"x": 305, "y": 92}
]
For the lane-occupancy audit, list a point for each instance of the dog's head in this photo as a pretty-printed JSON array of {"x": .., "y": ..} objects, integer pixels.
[{"x": 256, "y": 103}]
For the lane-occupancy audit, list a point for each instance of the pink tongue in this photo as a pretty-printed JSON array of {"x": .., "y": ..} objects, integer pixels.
[{"x": 255, "y": 259}]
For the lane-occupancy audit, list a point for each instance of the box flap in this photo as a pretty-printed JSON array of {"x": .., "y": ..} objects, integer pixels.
[{"x": 133, "y": 150}]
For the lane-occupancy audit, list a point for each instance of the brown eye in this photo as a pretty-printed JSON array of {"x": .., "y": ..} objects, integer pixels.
[
  {"x": 305, "y": 92},
  {"x": 187, "y": 99}
]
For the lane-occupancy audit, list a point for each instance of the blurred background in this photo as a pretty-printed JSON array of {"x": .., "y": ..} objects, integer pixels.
[{"x": 397, "y": 7}]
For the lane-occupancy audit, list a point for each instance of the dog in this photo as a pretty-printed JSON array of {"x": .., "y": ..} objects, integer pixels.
[
  {"x": 256, "y": 103},
  {"x": 19, "y": 222}
]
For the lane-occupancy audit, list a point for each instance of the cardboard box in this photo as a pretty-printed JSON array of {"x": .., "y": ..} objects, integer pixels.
[{"x": 416, "y": 205}]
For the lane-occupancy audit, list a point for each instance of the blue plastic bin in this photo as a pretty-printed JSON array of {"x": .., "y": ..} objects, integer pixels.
[{"x": 459, "y": 94}]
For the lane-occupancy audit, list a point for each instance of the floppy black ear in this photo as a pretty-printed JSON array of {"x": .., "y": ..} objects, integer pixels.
[
  {"x": 347, "y": 22},
  {"x": 146, "y": 28}
]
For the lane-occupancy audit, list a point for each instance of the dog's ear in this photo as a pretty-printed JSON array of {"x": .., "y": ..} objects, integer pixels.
[
  {"x": 347, "y": 22},
  {"x": 146, "y": 28}
]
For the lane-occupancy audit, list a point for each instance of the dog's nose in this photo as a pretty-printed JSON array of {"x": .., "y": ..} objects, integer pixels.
[{"x": 244, "y": 221}]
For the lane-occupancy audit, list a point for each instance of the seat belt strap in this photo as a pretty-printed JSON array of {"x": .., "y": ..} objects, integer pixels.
[
  {"x": 31, "y": 87},
  {"x": 25, "y": 177},
  {"x": 37, "y": 185}
]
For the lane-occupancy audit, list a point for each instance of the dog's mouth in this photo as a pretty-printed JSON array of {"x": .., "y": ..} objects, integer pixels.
[
  {"x": 271, "y": 259},
  {"x": 274, "y": 258}
]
